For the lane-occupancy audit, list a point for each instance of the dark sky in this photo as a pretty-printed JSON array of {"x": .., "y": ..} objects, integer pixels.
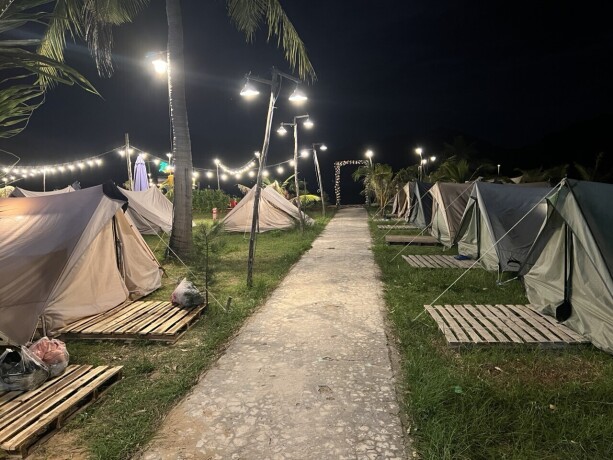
[{"x": 505, "y": 72}]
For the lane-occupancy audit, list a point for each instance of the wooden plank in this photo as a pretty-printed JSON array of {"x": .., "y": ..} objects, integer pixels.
[
  {"x": 33, "y": 397},
  {"x": 144, "y": 313},
  {"x": 526, "y": 326},
  {"x": 568, "y": 331},
  {"x": 453, "y": 324},
  {"x": 515, "y": 323},
  {"x": 413, "y": 262},
  {"x": 425, "y": 240},
  {"x": 41, "y": 424},
  {"x": 502, "y": 326},
  {"x": 475, "y": 338},
  {"x": 444, "y": 261},
  {"x": 186, "y": 322},
  {"x": 140, "y": 310},
  {"x": 443, "y": 326},
  {"x": 476, "y": 325},
  {"x": 83, "y": 322},
  {"x": 521, "y": 310},
  {"x": 169, "y": 312},
  {"x": 491, "y": 327},
  {"x": 164, "y": 311}
]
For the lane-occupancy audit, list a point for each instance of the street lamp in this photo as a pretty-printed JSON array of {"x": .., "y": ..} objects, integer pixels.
[
  {"x": 275, "y": 85},
  {"x": 317, "y": 170},
  {"x": 420, "y": 168},
  {"x": 216, "y": 161},
  {"x": 307, "y": 124},
  {"x": 369, "y": 154}
]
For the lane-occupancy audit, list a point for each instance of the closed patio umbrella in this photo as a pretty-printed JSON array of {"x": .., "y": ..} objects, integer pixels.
[{"x": 141, "y": 181}]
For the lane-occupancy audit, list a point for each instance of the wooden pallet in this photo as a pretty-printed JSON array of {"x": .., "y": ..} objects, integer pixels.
[
  {"x": 438, "y": 261},
  {"x": 30, "y": 417},
  {"x": 420, "y": 240},
  {"x": 500, "y": 324},
  {"x": 148, "y": 320},
  {"x": 396, "y": 227}
]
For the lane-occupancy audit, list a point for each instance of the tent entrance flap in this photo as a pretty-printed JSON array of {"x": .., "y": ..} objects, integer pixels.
[{"x": 565, "y": 309}]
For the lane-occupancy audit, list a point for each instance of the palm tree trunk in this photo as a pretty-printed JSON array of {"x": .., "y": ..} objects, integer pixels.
[{"x": 181, "y": 235}]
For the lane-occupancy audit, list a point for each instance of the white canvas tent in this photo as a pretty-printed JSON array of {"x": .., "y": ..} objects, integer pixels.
[
  {"x": 21, "y": 192},
  {"x": 399, "y": 202},
  {"x": 275, "y": 213},
  {"x": 509, "y": 213},
  {"x": 448, "y": 203},
  {"x": 150, "y": 210},
  {"x": 569, "y": 270},
  {"x": 65, "y": 257}
]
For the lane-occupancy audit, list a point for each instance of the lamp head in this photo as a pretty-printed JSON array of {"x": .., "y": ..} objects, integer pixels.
[
  {"x": 298, "y": 96},
  {"x": 323, "y": 147},
  {"x": 308, "y": 124},
  {"x": 160, "y": 65},
  {"x": 369, "y": 154},
  {"x": 433, "y": 158},
  {"x": 249, "y": 91},
  {"x": 280, "y": 170},
  {"x": 216, "y": 161},
  {"x": 282, "y": 131},
  {"x": 418, "y": 151},
  {"x": 304, "y": 153}
]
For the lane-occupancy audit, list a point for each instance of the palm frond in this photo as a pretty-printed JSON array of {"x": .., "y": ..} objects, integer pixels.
[{"x": 247, "y": 15}]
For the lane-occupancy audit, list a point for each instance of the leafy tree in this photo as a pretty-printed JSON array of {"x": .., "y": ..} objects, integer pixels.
[
  {"x": 247, "y": 15},
  {"x": 454, "y": 169},
  {"x": 460, "y": 148},
  {"x": 595, "y": 174},
  {"x": 553, "y": 174},
  {"x": 379, "y": 180}
]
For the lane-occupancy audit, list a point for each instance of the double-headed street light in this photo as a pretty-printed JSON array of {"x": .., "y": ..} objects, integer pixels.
[
  {"x": 250, "y": 91},
  {"x": 323, "y": 148},
  {"x": 282, "y": 131}
]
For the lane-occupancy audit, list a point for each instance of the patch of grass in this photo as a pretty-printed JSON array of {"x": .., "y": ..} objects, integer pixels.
[
  {"x": 485, "y": 403},
  {"x": 156, "y": 376}
]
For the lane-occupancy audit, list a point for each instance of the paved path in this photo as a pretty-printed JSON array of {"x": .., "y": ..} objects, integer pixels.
[{"x": 308, "y": 376}]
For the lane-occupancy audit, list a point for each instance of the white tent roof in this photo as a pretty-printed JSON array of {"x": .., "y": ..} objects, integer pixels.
[
  {"x": 150, "y": 210},
  {"x": 30, "y": 193},
  {"x": 68, "y": 256},
  {"x": 275, "y": 213}
]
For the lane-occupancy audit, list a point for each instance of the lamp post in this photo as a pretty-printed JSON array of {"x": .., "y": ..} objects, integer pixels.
[
  {"x": 369, "y": 154},
  {"x": 250, "y": 91},
  {"x": 217, "y": 165},
  {"x": 420, "y": 168},
  {"x": 322, "y": 147},
  {"x": 498, "y": 170},
  {"x": 307, "y": 124}
]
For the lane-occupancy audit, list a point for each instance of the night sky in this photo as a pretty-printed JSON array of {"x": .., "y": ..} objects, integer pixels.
[{"x": 391, "y": 76}]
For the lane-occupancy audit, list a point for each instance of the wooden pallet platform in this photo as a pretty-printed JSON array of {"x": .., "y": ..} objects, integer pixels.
[
  {"x": 419, "y": 240},
  {"x": 148, "y": 320},
  {"x": 396, "y": 227},
  {"x": 30, "y": 417},
  {"x": 438, "y": 261},
  {"x": 500, "y": 324}
]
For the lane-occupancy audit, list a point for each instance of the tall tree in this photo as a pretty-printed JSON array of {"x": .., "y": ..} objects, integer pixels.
[{"x": 247, "y": 15}]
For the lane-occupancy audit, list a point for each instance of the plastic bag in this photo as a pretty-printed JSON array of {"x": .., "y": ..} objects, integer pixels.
[
  {"x": 21, "y": 370},
  {"x": 186, "y": 295},
  {"x": 53, "y": 353}
]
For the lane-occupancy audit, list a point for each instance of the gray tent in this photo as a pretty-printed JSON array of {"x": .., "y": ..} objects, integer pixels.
[
  {"x": 405, "y": 207},
  {"x": 419, "y": 210},
  {"x": 492, "y": 211},
  {"x": 569, "y": 270},
  {"x": 65, "y": 257},
  {"x": 448, "y": 204},
  {"x": 150, "y": 210},
  {"x": 275, "y": 213}
]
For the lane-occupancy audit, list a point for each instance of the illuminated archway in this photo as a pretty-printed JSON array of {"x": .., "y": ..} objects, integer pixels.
[{"x": 337, "y": 176}]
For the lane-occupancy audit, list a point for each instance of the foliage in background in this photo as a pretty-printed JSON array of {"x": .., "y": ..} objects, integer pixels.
[
  {"x": 454, "y": 169},
  {"x": 287, "y": 188},
  {"x": 204, "y": 200},
  {"x": 552, "y": 175},
  {"x": 596, "y": 173}
]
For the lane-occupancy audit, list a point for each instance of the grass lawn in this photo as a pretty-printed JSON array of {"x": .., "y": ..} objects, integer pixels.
[
  {"x": 156, "y": 376},
  {"x": 492, "y": 402}
]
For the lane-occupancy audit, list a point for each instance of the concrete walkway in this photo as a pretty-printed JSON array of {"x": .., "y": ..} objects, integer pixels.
[{"x": 308, "y": 376}]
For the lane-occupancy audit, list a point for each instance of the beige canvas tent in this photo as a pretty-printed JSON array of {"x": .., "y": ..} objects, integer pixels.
[
  {"x": 448, "y": 203},
  {"x": 150, "y": 210},
  {"x": 65, "y": 257},
  {"x": 275, "y": 213},
  {"x": 21, "y": 192},
  {"x": 569, "y": 269}
]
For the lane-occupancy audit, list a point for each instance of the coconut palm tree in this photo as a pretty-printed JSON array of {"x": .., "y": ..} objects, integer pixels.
[
  {"x": 35, "y": 65},
  {"x": 247, "y": 15},
  {"x": 379, "y": 180},
  {"x": 454, "y": 170}
]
